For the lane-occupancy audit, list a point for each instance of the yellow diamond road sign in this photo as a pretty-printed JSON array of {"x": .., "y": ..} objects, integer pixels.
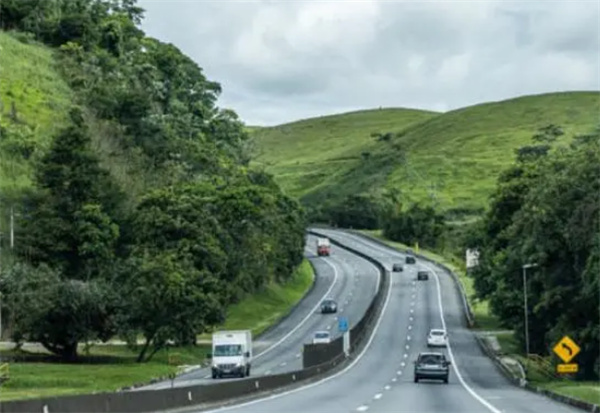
[{"x": 566, "y": 349}]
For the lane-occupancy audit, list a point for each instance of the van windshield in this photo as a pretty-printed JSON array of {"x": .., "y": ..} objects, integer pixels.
[
  {"x": 322, "y": 335},
  {"x": 227, "y": 350}
]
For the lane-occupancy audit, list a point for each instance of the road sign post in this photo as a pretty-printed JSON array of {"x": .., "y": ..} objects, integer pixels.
[
  {"x": 566, "y": 349},
  {"x": 343, "y": 328},
  {"x": 346, "y": 338}
]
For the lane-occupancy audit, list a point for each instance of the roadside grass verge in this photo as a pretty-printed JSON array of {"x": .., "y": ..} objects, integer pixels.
[
  {"x": 106, "y": 368},
  {"x": 112, "y": 366},
  {"x": 540, "y": 375},
  {"x": 484, "y": 319}
]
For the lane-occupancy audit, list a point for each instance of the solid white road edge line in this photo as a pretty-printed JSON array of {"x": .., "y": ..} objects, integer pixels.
[
  {"x": 449, "y": 347},
  {"x": 326, "y": 379},
  {"x": 441, "y": 308}
]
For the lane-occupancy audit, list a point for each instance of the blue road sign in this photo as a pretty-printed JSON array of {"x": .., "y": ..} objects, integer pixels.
[{"x": 343, "y": 324}]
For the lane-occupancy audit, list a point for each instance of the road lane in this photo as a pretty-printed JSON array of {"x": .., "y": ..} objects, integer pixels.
[
  {"x": 366, "y": 378},
  {"x": 381, "y": 380},
  {"x": 339, "y": 276},
  {"x": 480, "y": 375},
  {"x": 359, "y": 275}
]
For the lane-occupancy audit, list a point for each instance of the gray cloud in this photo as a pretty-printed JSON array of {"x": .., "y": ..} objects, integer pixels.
[{"x": 281, "y": 61}]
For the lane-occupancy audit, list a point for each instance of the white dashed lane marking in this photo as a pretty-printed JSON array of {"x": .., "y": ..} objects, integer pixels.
[{"x": 377, "y": 396}]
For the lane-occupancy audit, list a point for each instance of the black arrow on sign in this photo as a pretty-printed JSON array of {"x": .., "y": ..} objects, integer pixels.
[{"x": 563, "y": 345}]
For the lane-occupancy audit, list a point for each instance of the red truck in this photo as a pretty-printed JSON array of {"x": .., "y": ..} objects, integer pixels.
[{"x": 323, "y": 246}]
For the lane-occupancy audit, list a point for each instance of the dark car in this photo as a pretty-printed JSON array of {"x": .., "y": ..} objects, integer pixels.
[
  {"x": 422, "y": 275},
  {"x": 397, "y": 267},
  {"x": 432, "y": 366},
  {"x": 328, "y": 306},
  {"x": 410, "y": 259}
]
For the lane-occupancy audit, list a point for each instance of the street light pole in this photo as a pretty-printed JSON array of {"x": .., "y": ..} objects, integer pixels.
[{"x": 525, "y": 306}]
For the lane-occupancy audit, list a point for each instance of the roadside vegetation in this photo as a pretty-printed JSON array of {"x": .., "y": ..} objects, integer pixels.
[
  {"x": 541, "y": 373},
  {"x": 35, "y": 372},
  {"x": 544, "y": 211},
  {"x": 137, "y": 215},
  {"x": 100, "y": 368}
]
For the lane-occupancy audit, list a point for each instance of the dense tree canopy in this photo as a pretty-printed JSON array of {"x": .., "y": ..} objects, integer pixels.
[
  {"x": 145, "y": 219},
  {"x": 545, "y": 210}
]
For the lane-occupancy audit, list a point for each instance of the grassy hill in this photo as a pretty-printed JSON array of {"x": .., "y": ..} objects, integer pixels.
[
  {"x": 310, "y": 155},
  {"x": 34, "y": 101},
  {"x": 452, "y": 158}
]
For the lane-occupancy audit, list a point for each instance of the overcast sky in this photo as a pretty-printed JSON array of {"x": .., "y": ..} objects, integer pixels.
[{"x": 281, "y": 61}]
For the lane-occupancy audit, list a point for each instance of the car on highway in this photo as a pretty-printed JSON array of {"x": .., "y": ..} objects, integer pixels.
[
  {"x": 321, "y": 337},
  {"x": 397, "y": 267},
  {"x": 410, "y": 259},
  {"x": 431, "y": 366},
  {"x": 437, "y": 338},
  {"x": 328, "y": 306},
  {"x": 409, "y": 251},
  {"x": 423, "y": 275}
]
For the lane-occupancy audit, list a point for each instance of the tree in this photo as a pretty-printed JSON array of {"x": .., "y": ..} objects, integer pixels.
[
  {"x": 71, "y": 220},
  {"x": 417, "y": 224},
  {"x": 545, "y": 210},
  {"x": 56, "y": 312},
  {"x": 70, "y": 234},
  {"x": 166, "y": 298}
]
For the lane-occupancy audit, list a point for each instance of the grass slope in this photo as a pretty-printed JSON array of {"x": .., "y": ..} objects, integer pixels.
[
  {"x": 37, "y": 379},
  {"x": 463, "y": 151},
  {"x": 33, "y": 97},
  {"x": 315, "y": 153},
  {"x": 455, "y": 156}
]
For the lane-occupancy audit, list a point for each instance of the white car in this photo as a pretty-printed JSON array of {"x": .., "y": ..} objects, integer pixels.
[
  {"x": 322, "y": 337},
  {"x": 437, "y": 338}
]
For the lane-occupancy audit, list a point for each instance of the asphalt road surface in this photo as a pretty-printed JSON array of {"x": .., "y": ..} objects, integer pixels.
[
  {"x": 350, "y": 280},
  {"x": 381, "y": 379}
]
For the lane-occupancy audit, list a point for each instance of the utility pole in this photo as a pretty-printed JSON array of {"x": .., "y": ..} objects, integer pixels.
[
  {"x": 525, "y": 267},
  {"x": 12, "y": 228}
]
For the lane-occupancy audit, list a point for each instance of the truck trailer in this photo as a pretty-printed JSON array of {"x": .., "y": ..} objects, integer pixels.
[
  {"x": 323, "y": 246},
  {"x": 231, "y": 353}
]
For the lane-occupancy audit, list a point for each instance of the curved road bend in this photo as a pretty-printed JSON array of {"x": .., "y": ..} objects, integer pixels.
[
  {"x": 482, "y": 388},
  {"x": 381, "y": 379},
  {"x": 340, "y": 276}
]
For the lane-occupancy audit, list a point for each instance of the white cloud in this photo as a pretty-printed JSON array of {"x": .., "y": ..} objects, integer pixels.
[{"x": 280, "y": 61}]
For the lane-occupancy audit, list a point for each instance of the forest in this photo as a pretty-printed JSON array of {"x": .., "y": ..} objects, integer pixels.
[{"x": 144, "y": 219}]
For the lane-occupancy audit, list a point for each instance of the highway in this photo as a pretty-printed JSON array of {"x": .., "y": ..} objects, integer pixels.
[
  {"x": 381, "y": 380},
  {"x": 345, "y": 277}
]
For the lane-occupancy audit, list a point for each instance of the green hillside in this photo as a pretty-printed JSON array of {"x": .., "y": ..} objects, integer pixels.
[
  {"x": 451, "y": 158},
  {"x": 35, "y": 98},
  {"x": 309, "y": 155}
]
